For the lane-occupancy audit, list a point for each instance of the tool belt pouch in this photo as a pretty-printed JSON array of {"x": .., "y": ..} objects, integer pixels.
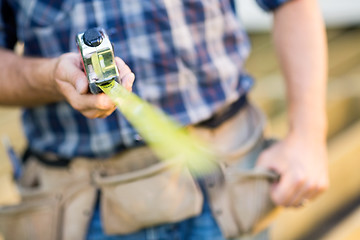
[
  {"x": 240, "y": 194},
  {"x": 35, "y": 218},
  {"x": 248, "y": 193},
  {"x": 240, "y": 199},
  {"x": 55, "y": 204},
  {"x": 158, "y": 193}
]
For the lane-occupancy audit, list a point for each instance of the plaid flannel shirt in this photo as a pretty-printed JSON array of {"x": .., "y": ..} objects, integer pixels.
[{"x": 187, "y": 55}]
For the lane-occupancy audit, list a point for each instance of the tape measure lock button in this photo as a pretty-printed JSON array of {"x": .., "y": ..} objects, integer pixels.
[{"x": 93, "y": 37}]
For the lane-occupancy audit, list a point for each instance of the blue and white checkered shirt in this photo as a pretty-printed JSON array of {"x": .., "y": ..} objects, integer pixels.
[{"x": 187, "y": 55}]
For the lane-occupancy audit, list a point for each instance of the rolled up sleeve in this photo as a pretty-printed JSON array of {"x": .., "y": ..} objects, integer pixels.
[{"x": 271, "y": 5}]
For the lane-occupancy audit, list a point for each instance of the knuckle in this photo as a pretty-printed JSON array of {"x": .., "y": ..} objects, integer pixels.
[
  {"x": 278, "y": 200},
  {"x": 90, "y": 115},
  {"x": 59, "y": 83},
  {"x": 263, "y": 158},
  {"x": 104, "y": 115},
  {"x": 299, "y": 180},
  {"x": 59, "y": 70},
  {"x": 284, "y": 204},
  {"x": 312, "y": 188},
  {"x": 98, "y": 105},
  {"x": 323, "y": 187},
  {"x": 102, "y": 102},
  {"x": 124, "y": 70},
  {"x": 128, "y": 80},
  {"x": 132, "y": 76},
  {"x": 76, "y": 106},
  {"x": 126, "y": 77},
  {"x": 129, "y": 76},
  {"x": 97, "y": 115},
  {"x": 120, "y": 63},
  {"x": 103, "y": 105}
]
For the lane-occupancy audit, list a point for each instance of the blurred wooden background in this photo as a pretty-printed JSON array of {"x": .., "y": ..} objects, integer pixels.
[{"x": 336, "y": 214}]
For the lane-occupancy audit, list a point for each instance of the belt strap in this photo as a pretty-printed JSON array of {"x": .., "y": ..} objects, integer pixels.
[
  {"x": 47, "y": 159},
  {"x": 213, "y": 122},
  {"x": 217, "y": 119}
]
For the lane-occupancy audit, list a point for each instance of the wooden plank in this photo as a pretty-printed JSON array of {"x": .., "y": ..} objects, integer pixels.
[
  {"x": 348, "y": 229},
  {"x": 343, "y": 55},
  {"x": 263, "y": 61},
  {"x": 344, "y": 52},
  {"x": 9, "y": 194},
  {"x": 10, "y": 126},
  {"x": 345, "y": 181},
  {"x": 259, "y": 41},
  {"x": 355, "y": 235},
  {"x": 333, "y": 33},
  {"x": 342, "y": 103},
  {"x": 269, "y": 94},
  {"x": 7, "y": 114},
  {"x": 340, "y": 113}
]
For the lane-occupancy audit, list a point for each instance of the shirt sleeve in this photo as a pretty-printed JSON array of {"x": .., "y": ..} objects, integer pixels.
[
  {"x": 271, "y": 5},
  {"x": 8, "y": 36},
  {"x": 2, "y": 26}
]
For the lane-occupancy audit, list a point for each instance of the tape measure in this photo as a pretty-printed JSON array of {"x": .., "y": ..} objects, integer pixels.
[{"x": 166, "y": 138}]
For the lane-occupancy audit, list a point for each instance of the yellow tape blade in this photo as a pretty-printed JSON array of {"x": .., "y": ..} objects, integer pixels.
[{"x": 167, "y": 139}]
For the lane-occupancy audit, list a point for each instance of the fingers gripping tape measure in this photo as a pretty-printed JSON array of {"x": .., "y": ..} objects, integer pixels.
[
  {"x": 98, "y": 58},
  {"x": 166, "y": 138}
]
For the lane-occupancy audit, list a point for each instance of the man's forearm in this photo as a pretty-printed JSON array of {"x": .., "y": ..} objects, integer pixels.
[
  {"x": 300, "y": 42},
  {"x": 34, "y": 81},
  {"x": 26, "y": 81}
]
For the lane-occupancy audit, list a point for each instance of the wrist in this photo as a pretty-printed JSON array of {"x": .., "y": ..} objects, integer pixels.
[
  {"x": 312, "y": 131},
  {"x": 39, "y": 73},
  {"x": 309, "y": 121}
]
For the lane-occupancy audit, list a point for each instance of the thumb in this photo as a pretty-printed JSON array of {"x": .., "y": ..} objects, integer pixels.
[
  {"x": 81, "y": 85},
  {"x": 264, "y": 160},
  {"x": 126, "y": 76},
  {"x": 70, "y": 67},
  {"x": 267, "y": 162}
]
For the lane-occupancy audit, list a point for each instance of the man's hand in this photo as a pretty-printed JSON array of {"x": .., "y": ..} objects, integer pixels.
[
  {"x": 302, "y": 165},
  {"x": 72, "y": 83},
  {"x": 30, "y": 82}
]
